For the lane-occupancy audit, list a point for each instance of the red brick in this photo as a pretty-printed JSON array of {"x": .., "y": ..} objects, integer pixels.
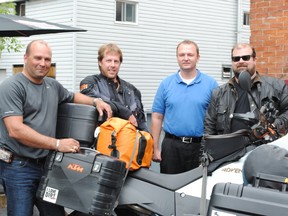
[
  {"x": 269, "y": 36},
  {"x": 261, "y": 4}
]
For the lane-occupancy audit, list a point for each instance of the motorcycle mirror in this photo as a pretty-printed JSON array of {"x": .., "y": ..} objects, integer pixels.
[{"x": 244, "y": 80}]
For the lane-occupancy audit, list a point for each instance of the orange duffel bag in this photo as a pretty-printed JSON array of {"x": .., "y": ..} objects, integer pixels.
[{"x": 119, "y": 138}]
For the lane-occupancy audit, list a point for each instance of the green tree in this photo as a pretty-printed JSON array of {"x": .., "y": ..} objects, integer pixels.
[{"x": 9, "y": 43}]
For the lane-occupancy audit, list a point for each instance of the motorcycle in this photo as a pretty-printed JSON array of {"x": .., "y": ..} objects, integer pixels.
[{"x": 146, "y": 192}]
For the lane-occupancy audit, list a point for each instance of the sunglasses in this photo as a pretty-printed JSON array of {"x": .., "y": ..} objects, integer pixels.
[{"x": 237, "y": 58}]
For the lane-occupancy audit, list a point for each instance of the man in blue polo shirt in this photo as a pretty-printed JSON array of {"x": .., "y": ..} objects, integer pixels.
[{"x": 180, "y": 103}]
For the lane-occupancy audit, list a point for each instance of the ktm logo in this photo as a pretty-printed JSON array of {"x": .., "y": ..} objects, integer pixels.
[{"x": 75, "y": 167}]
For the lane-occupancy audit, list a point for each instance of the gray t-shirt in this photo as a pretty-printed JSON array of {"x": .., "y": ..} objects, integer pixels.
[{"x": 37, "y": 103}]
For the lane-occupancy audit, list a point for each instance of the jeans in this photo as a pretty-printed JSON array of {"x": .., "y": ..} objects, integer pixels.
[{"x": 20, "y": 180}]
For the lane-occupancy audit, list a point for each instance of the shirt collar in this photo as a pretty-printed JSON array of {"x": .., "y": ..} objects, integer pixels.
[{"x": 196, "y": 80}]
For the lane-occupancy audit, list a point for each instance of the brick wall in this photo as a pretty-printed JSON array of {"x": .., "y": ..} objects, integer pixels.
[{"x": 269, "y": 36}]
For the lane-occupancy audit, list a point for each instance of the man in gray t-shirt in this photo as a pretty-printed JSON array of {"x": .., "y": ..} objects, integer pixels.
[
  {"x": 28, "y": 112},
  {"x": 44, "y": 98}
]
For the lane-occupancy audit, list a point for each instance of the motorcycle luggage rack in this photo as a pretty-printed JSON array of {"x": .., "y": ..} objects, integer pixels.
[{"x": 271, "y": 181}]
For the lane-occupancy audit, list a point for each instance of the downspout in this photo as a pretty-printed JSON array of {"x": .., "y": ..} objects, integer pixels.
[
  {"x": 74, "y": 17},
  {"x": 239, "y": 21}
]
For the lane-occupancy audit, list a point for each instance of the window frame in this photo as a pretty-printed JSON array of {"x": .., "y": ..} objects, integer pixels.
[
  {"x": 20, "y": 8},
  {"x": 226, "y": 75},
  {"x": 123, "y": 12},
  {"x": 246, "y": 18},
  {"x": 17, "y": 68}
]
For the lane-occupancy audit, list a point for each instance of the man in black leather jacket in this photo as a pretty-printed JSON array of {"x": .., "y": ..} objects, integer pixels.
[
  {"x": 124, "y": 98},
  {"x": 230, "y": 98}
]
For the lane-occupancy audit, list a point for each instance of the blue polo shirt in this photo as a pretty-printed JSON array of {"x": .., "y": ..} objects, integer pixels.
[{"x": 184, "y": 106}]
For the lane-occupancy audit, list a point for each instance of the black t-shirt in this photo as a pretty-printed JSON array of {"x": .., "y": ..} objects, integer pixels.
[{"x": 242, "y": 106}]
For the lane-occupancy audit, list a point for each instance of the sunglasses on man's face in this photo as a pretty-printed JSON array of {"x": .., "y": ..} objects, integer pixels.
[{"x": 237, "y": 58}]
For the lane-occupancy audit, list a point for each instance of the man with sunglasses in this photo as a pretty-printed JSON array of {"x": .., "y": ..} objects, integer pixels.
[{"x": 230, "y": 98}]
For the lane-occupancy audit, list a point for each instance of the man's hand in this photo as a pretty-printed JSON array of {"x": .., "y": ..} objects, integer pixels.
[
  {"x": 278, "y": 124},
  {"x": 102, "y": 106},
  {"x": 157, "y": 155},
  {"x": 133, "y": 120},
  {"x": 68, "y": 145}
]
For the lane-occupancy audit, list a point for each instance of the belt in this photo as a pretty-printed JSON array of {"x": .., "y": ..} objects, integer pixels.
[
  {"x": 32, "y": 160},
  {"x": 184, "y": 139}
]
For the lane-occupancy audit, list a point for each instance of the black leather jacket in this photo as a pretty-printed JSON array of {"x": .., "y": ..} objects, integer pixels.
[
  {"x": 125, "y": 101},
  {"x": 224, "y": 98}
]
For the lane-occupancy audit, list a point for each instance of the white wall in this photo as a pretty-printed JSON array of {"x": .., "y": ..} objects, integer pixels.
[
  {"x": 62, "y": 44},
  {"x": 148, "y": 46}
]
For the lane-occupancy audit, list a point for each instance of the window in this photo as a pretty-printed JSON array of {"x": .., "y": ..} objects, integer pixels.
[
  {"x": 19, "y": 68},
  {"x": 20, "y": 8},
  {"x": 226, "y": 71},
  {"x": 126, "y": 11},
  {"x": 246, "y": 18}
]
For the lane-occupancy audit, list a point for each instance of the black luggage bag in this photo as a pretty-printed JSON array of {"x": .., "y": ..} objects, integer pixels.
[
  {"x": 239, "y": 200},
  {"x": 88, "y": 181},
  {"x": 77, "y": 121}
]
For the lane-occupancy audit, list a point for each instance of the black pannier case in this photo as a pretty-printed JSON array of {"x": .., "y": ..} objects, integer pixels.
[
  {"x": 77, "y": 121},
  {"x": 88, "y": 181},
  {"x": 240, "y": 200}
]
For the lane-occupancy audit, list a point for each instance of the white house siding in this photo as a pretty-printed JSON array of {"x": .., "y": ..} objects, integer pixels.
[
  {"x": 148, "y": 46},
  {"x": 62, "y": 44},
  {"x": 245, "y": 30}
]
